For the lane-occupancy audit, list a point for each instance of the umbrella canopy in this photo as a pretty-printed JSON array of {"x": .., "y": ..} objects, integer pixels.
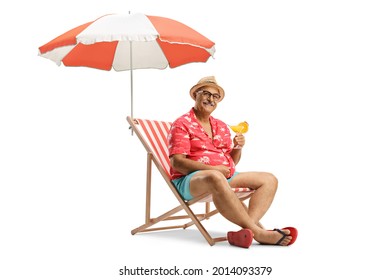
[{"x": 127, "y": 42}]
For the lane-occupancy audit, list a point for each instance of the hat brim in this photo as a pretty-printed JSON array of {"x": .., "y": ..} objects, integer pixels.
[{"x": 207, "y": 84}]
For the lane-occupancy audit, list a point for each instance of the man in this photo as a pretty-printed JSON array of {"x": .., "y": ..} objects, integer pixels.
[{"x": 204, "y": 157}]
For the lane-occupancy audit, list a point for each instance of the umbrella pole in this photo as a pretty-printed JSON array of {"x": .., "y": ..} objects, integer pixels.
[
  {"x": 131, "y": 77},
  {"x": 131, "y": 82}
]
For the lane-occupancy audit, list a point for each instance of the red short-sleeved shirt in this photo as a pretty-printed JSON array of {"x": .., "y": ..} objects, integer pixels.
[{"x": 188, "y": 137}]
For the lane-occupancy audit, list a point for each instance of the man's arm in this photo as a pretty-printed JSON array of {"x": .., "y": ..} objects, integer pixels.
[
  {"x": 236, "y": 155},
  {"x": 238, "y": 141}
]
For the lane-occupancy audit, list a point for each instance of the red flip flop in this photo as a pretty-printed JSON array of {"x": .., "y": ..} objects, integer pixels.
[
  {"x": 242, "y": 238},
  {"x": 293, "y": 234}
]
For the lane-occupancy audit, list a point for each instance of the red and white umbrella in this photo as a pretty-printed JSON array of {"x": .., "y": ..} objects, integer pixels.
[{"x": 127, "y": 42}]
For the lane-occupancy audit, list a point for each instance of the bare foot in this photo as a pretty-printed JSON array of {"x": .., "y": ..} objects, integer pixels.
[{"x": 272, "y": 237}]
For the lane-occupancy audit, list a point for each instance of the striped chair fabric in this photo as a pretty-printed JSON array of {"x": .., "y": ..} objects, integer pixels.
[{"x": 156, "y": 133}]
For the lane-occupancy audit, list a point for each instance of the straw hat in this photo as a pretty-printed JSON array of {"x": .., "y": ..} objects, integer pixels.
[{"x": 207, "y": 82}]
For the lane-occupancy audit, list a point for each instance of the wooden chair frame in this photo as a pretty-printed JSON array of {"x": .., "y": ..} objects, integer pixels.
[{"x": 194, "y": 219}]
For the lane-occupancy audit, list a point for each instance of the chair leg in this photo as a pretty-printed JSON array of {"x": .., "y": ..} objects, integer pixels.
[
  {"x": 148, "y": 186},
  {"x": 207, "y": 210}
]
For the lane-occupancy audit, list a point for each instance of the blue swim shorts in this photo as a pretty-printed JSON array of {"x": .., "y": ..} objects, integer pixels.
[{"x": 182, "y": 184}]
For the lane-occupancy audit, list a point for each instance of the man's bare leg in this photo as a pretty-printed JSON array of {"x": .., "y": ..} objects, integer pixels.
[
  {"x": 265, "y": 186},
  {"x": 211, "y": 181},
  {"x": 247, "y": 210}
]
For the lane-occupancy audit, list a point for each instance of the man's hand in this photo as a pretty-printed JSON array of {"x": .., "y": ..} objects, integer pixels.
[
  {"x": 239, "y": 140},
  {"x": 223, "y": 169}
]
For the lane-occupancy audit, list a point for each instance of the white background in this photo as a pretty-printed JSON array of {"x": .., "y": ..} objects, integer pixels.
[{"x": 310, "y": 77}]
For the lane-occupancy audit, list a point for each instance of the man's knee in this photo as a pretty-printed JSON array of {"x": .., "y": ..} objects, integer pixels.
[
  {"x": 214, "y": 177},
  {"x": 215, "y": 180},
  {"x": 208, "y": 181},
  {"x": 272, "y": 179},
  {"x": 269, "y": 180}
]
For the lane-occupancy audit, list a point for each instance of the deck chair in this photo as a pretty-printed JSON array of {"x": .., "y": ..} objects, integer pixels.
[{"x": 153, "y": 135}]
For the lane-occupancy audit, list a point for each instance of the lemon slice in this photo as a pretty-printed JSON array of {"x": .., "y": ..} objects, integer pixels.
[{"x": 242, "y": 127}]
